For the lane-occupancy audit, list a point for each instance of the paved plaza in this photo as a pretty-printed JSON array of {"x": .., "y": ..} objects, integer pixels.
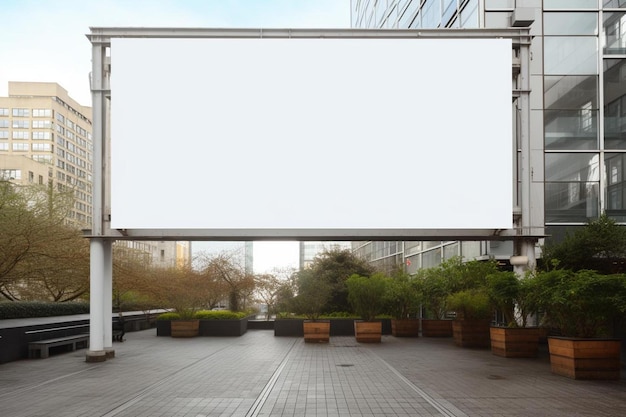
[{"x": 262, "y": 375}]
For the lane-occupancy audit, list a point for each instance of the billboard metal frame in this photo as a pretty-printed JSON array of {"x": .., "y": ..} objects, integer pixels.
[{"x": 527, "y": 213}]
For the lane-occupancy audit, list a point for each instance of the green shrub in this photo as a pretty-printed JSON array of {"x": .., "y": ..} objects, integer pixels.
[
  {"x": 168, "y": 316},
  {"x": 219, "y": 315},
  {"x": 28, "y": 309}
]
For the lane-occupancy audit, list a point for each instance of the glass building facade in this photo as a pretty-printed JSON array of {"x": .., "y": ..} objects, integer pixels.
[{"x": 577, "y": 99}]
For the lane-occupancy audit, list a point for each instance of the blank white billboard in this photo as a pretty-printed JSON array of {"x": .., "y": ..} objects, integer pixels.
[{"x": 311, "y": 134}]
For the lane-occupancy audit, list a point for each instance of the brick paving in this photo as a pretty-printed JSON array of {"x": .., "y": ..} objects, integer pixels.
[{"x": 262, "y": 375}]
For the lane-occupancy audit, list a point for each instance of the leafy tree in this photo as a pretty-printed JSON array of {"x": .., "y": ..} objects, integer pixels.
[
  {"x": 40, "y": 257},
  {"x": 403, "y": 295},
  {"x": 334, "y": 267},
  {"x": 599, "y": 246},
  {"x": 314, "y": 292},
  {"x": 268, "y": 289},
  {"x": 239, "y": 283},
  {"x": 367, "y": 294}
]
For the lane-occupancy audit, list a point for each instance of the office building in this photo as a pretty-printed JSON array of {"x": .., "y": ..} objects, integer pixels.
[
  {"x": 577, "y": 106},
  {"x": 310, "y": 249},
  {"x": 45, "y": 138}
]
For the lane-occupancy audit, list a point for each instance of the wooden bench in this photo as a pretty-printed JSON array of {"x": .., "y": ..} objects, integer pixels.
[{"x": 41, "y": 348}]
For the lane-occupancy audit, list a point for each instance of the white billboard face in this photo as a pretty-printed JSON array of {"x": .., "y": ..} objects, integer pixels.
[{"x": 311, "y": 134}]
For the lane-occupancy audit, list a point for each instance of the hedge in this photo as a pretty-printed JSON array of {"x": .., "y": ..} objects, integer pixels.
[{"x": 29, "y": 309}]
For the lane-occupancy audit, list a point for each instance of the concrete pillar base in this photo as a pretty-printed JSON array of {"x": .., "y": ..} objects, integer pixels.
[
  {"x": 95, "y": 356},
  {"x": 109, "y": 353}
]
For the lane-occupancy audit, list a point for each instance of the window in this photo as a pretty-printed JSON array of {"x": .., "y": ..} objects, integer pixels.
[
  {"x": 41, "y": 135},
  {"x": 60, "y": 118},
  {"x": 570, "y": 55},
  {"x": 21, "y": 134},
  {"x": 4, "y": 112},
  {"x": 4, "y": 146},
  {"x": 42, "y": 113},
  {"x": 41, "y": 147},
  {"x": 42, "y": 124},
  {"x": 20, "y": 147},
  {"x": 10, "y": 174},
  {"x": 20, "y": 124},
  {"x": 4, "y": 122},
  {"x": 21, "y": 112},
  {"x": 69, "y": 124},
  {"x": 4, "y": 134},
  {"x": 31, "y": 176},
  {"x": 46, "y": 159}
]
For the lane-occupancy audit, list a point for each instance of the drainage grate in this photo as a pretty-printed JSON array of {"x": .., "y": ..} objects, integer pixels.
[{"x": 345, "y": 365}]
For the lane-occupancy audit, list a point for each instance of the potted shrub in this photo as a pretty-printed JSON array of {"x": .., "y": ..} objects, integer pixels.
[
  {"x": 181, "y": 323},
  {"x": 473, "y": 311},
  {"x": 580, "y": 306},
  {"x": 314, "y": 292},
  {"x": 403, "y": 303},
  {"x": 435, "y": 289},
  {"x": 366, "y": 295},
  {"x": 470, "y": 301},
  {"x": 510, "y": 337}
]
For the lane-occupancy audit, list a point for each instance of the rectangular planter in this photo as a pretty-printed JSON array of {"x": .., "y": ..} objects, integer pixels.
[
  {"x": 223, "y": 327},
  {"x": 185, "y": 328},
  {"x": 288, "y": 327},
  {"x": 164, "y": 328},
  {"x": 515, "y": 342},
  {"x": 471, "y": 333},
  {"x": 585, "y": 358},
  {"x": 405, "y": 327},
  {"x": 368, "y": 331},
  {"x": 316, "y": 331},
  {"x": 436, "y": 328}
]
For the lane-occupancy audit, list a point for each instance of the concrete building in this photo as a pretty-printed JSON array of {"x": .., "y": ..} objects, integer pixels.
[
  {"x": 45, "y": 138},
  {"x": 577, "y": 106},
  {"x": 41, "y": 122}
]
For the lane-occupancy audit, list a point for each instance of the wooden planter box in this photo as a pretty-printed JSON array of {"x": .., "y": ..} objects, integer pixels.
[
  {"x": 585, "y": 358},
  {"x": 368, "y": 331},
  {"x": 436, "y": 328},
  {"x": 515, "y": 342},
  {"x": 230, "y": 327},
  {"x": 471, "y": 333},
  {"x": 185, "y": 328},
  {"x": 316, "y": 331},
  {"x": 405, "y": 327}
]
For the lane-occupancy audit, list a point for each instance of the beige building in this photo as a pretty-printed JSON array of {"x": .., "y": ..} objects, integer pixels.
[
  {"x": 45, "y": 138},
  {"x": 41, "y": 122}
]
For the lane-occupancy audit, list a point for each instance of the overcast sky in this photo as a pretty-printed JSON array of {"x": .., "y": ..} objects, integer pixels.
[{"x": 44, "y": 40}]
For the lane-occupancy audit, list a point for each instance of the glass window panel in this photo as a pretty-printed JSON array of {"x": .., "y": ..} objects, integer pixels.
[
  {"x": 570, "y": 4},
  {"x": 582, "y": 167},
  {"x": 614, "y": 27},
  {"x": 408, "y": 15},
  {"x": 431, "y": 258},
  {"x": 614, "y": 103},
  {"x": 450, "y": 251},
  {"x": 570, "y": 24},
  {"x": 469, "y": 15},
  {"x": 498, "y": 20},
  {"x": 570, "y": 55},
  {"x": 616, "y": 186},
  {"x": 570, "y": 92},
  {"x": 571, "y": 129},
  {"x": 470, "y": 250},
  {"x": 499, "y": 4},
  {"x": 613, "y": 3},
  {"x": 571, "y": 201},
  {"x": 431, "y": 14}
]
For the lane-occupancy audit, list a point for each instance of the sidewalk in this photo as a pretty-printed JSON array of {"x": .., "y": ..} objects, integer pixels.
[{"x": 262, "y": 375}]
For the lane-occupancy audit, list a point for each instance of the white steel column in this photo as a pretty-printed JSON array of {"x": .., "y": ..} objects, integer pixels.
[
  {"x": 107, "y": 268},
  {"x": 96, "y": 351}
]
